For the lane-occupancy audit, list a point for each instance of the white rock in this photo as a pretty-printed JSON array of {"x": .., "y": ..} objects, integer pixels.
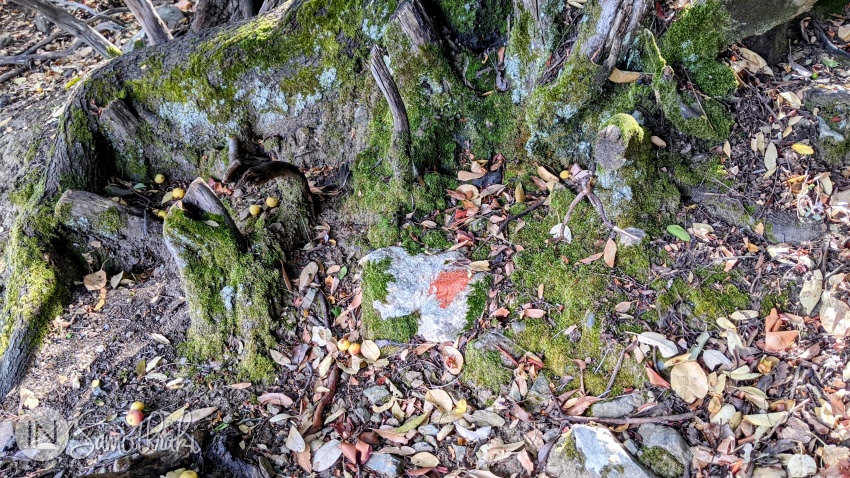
[
  {"x": 601, "y": 455},
  {"x": 414, "y": 291}
]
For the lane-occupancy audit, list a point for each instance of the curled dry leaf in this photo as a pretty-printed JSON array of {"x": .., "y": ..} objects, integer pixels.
[
  {"x": 610, "y": 253},
  {"x": 439, "y": 398},
  {"x": 307, "y": 275},
  {"x": 452, "y": 359},
  {"x": 279, "y": 399},
  {"x": 370, "y": 350},
  {"x": 667, "y": 348}
]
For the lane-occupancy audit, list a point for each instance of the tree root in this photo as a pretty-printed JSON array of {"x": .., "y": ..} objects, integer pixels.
[
  {"x": 827, "y": 43},
  {"x": 583, "y": 182}
]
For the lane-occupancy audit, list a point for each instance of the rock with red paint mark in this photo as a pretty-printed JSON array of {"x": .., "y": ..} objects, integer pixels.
[{"x": 434, "y": 287}]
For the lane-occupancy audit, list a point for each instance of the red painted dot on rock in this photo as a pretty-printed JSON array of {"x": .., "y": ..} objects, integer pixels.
[{"x": 448, "y": 285}]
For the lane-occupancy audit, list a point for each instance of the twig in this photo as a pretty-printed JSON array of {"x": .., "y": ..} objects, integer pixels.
[
  {"x": 827, "y": 43},
  {"x": 27, "y": 58},
  {"x": 514, "y": 217},
  {"x": 11, "y": 74},
  {"x": 617, "y": 368},
  {"x": 73, "y": 25},
  {"x": 631, "y": 421},
  {"x": 333, "y": 377}
]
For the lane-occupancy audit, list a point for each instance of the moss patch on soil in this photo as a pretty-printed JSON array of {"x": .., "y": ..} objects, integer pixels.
[{"x": 578, "y": 293}]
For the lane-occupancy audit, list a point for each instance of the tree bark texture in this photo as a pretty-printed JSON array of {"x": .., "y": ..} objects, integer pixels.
[{"x": 155, "y": 29}]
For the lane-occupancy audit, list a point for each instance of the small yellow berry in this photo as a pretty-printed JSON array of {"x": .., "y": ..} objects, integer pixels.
[
  {"x": 95, "y": 383},
  {"x": 159, "y": 179},
  {"x": 254, "y": 210},
  {"x": 161, "y": 213},
  {"x": 137, "y": 406},
  {"x": 565, "y": 175},
  {"x": 272, "y": 202},
  {"x": 354, "y": 348},
  {"x": 188, "y": 474},
  {"x": 178, "y": 193},
  {"x": 343, "y": 345}
]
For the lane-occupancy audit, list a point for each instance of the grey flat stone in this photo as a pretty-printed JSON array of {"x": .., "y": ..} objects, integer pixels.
[
  {"x": 667, "y": 438},
  {"x": 385, "y": 464},
  {"x": 618, "y": 407},
  {"x": 594, "y": 454},
  {"x": 376, "y": 394},
  {"x": 170, "y": 14}
]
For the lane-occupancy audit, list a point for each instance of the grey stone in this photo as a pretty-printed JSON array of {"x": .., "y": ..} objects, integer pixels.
[
  {"x": 137, "y": 42},
  {"x": 660, "y": 436},
  {"x": 170, "y": 14},
  {"x": 422, "y": 446},
  {"x": 413, "y": 290},
  {"x": 385, "y": 464},
  {"x": 593, "y": 453},
  {"x": 618, "y": 407},
  {"x": 429, "y": 430},
  {"x": 7, "y": 436},
  {"x": 5, "y": 40},
  {"x": 376, "y": 394},
  {"x": 538, "y": 395}
]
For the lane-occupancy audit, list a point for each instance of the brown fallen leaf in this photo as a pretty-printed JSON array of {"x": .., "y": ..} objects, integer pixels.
[
  {"x": 589, "y": 259},
  {"x": 610, "y": 253},
  {"x": 533, "y": 313},
  {"x": 619, "y": 76},
  {"x": 305, "y": 460},
  {"x": 779, "y": 341},
  {"x": 95, "y": 281},
  {"x": 279, "y": 399},
  {"x": 525, "y": 461},
  {"x": 655, "y": 379},
  {"x": 581, "y": 405}
]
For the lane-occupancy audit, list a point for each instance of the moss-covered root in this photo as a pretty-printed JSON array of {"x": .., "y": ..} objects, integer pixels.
[
  {"x": 231, "y": 294},
  {"x": 32, "y": 294}
]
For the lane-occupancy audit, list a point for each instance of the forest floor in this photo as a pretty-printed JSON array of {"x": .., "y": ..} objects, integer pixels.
[{"x": 120, "y": 344}]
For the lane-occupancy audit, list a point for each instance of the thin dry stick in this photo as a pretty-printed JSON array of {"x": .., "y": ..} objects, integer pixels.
[
  {"x": 617, "y": 368},
  {"x": 631, "y": 421}
]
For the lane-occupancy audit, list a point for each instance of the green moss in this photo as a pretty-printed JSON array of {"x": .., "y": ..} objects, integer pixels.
[
  {"x": 230, "y": 294},
  {"x": 113, "y": 51},
  {"x": 477, "y": 301},
  {"x": 383, "y": 233},
  {"x": 374, "y": 283},
  {"x": 484, "y": 368},
  {"x": 693, "y": 42},
  {"x": 712, "y": 297},
  {"x": 575, "y": 289},
  {"x": 435, "y": 240},
  {"x": 704, "y": 118},
  {"x": 111, "y": 222},
  {"x": 661, "y": 462},
  {"x": 32, "y": 293},
  {"x": 779, "y": 300}
]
